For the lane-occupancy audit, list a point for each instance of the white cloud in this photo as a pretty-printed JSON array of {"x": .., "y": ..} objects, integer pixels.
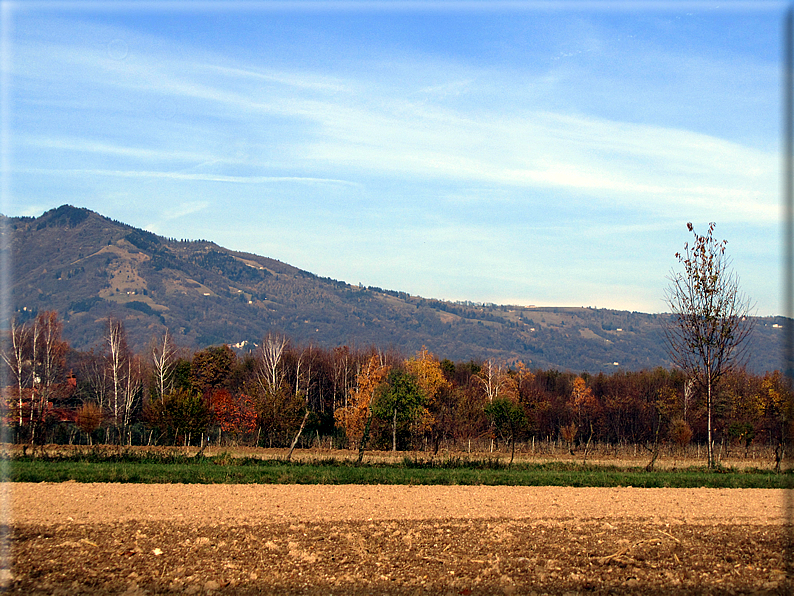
[
  {"x": 377, "y": 127},
  {"x": 412, "y": 136},
  {"x": 187, "y": 176},
  {"x": 184, "y": 209}
]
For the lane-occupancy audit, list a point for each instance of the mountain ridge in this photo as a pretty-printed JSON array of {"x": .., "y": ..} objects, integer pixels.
[{"x": 88, "y": 267}]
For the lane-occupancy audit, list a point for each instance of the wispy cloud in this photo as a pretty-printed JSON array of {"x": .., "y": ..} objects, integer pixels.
[
  {"x": 348, "y": 124},
  {"x": 85, "y": 145},
  {"x": 184, "y": 209},
  {"x": 176, "y": 212},
  {"x": 187, "y": 176},
  {"x": 420, "y": 146}
]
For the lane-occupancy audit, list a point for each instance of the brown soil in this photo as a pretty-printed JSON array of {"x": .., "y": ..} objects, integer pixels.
[{"x": 278, "y": 539}]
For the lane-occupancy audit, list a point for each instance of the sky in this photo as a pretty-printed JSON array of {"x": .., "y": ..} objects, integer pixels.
[{"x": 545, "y": 154}]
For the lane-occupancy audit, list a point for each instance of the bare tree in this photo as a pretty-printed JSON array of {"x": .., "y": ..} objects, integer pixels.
[
  {"x": 496, "y": 380},
  {"x": 52, "y": 349},
  {"x": 271, "y": 373},
  {"x": 94, "y": 370},
  {"x": 342, "y": 373},
  {"x": 130, "y": 391},
  {"x": 496, "y": 383},
  {"x": 117, "y": 360},
  {"x": 125, "y": 376},
  {"x": 47, "y": 355},
  {"x": 707, "y": 334},
  {"x": 163, "y": 357},
  {"x": 17, "y": 361}
]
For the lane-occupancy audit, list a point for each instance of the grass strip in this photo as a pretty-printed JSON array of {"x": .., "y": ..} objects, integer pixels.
[{"x": 223, "y": 469}]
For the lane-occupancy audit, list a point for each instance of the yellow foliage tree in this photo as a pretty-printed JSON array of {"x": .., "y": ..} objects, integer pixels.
[
  {"x": 777, "y": 407},
  {"x": 353, "y": 416},
  {"x": 771, "y": 402},
  {"x": 431, "y": 380},
  {"x": 582, "y": 396},
  {"x": 523, "y": 376}
]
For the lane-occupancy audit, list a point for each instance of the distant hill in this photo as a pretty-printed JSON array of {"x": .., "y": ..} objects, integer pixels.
[{"x": 87, "y": 267}]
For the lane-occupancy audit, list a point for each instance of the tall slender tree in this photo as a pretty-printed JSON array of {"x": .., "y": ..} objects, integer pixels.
[
  {"x": 117, "y": 355},
  {"x": 164, "y": 354},
  {"x": 710, "y": 324},
  {"x": 16, "y": 359},
  {"x": 48, "y": 357}
]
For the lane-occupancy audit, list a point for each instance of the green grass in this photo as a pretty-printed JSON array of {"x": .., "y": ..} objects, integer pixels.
[{"x": 124, "y": 466}]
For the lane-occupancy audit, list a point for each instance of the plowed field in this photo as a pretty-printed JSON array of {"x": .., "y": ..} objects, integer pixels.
[{"x": 138, "y": 539}]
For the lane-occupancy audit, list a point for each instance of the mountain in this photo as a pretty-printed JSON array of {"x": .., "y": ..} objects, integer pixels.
[{"x": 88, "y": 267}]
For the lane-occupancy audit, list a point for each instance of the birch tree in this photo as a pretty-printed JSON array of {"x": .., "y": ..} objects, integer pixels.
[
  {"x": 270, "y": 372},
  {"x": 47, "y": 354},
  {"x": 496, "y": 383},
  {"x": 17, "y": 361},
  {"x": 94, "y": 370},
  {"x": 163, "y": 352},
  {"x": 124, "y": 371},
  {"x": 116, "y": 344},
  {"x": 131, "y": 391}
]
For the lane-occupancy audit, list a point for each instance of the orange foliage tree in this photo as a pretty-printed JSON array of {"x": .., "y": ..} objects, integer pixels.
[
  {"x": 582, "y": 399},
  {"x": 353, "y": 417},
  {"x": 89, "y": 417},
  {"x": 234, "y": 414},
  {"x": 585, "y": 405}
]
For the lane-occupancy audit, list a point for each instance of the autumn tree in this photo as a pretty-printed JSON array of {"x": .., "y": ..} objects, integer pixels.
[
  {"x": 496, "y": 383},
  {"x": 680, "y": 433},
  {"x": 585, "y": 406},
  {"x": 279, "y": 414},
  {"x": 775, "y": 401},
  {"x": 710, "y": 324},
  {"x": 179, "y": 414},
  {"x": 470, "y": 421},
  {"x": 234, "y": 414},
  {"x": 211, "y": 368},
  {"x": 664, "y": 403},
  {"x": 270, "y": 371},
  {"x": 742, "y": 393},
  {"x": 282, "y": 404},
  {"x": 49, "y": 352},
  {"x": 432, "y": 382},
  {"x": 353, "y": 417},
  {"x": 534, "y": 400},
  {"x": 36, "y": 359},
  {"x": 89, "y": 417}
]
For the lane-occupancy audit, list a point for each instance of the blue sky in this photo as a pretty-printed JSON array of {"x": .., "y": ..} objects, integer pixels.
[{"x": 546, "y": 154}]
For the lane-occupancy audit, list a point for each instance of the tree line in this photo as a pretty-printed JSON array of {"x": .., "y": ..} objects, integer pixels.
[{"x": 358, "y": 397}]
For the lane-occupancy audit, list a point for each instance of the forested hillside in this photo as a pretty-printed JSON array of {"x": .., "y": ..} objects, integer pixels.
[{"x": 87, "y": 267}]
